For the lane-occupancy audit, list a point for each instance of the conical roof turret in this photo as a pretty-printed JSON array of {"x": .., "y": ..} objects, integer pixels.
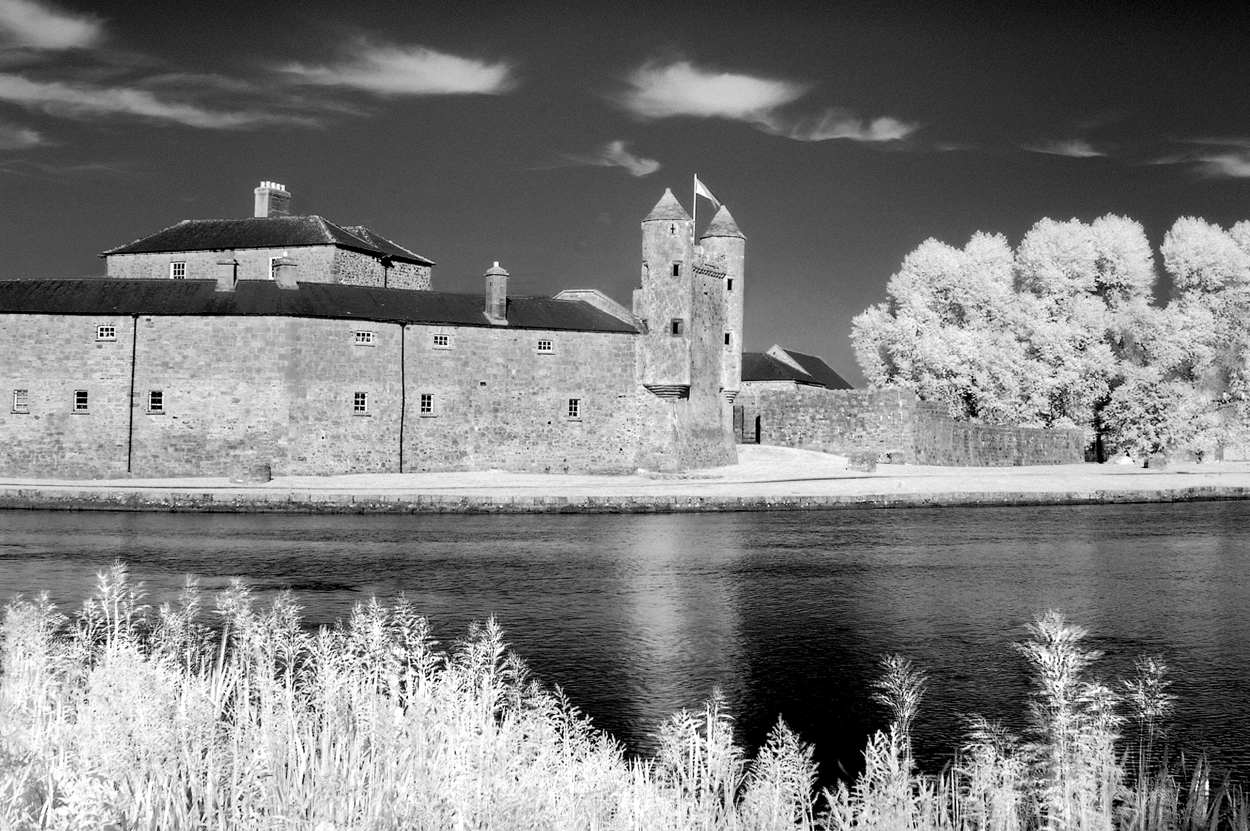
[
  {"x": 668, "y": 208},
  {"x": 722, "y": 225}
]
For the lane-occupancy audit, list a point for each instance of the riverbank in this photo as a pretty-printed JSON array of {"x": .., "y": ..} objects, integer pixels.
[{"x": 766, "y": 479}]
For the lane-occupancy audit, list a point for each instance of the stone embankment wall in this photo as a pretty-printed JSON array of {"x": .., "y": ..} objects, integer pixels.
[{"x": 896, "y": 425}]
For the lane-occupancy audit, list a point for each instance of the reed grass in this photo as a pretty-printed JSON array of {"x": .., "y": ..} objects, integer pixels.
[{"x": 229, "y": 714}]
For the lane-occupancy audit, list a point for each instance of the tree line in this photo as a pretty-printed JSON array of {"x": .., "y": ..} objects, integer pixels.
[{"x": 1067, "y": 331}]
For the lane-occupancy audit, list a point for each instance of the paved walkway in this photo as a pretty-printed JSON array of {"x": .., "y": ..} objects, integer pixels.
[{"x": 766, "y": 478}]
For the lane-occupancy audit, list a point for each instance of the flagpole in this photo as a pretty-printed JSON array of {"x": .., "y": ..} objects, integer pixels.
[{"x": 694, "y": 216}]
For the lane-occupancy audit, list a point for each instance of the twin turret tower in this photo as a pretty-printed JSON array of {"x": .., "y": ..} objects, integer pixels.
[{"x": 691, "y": 310}]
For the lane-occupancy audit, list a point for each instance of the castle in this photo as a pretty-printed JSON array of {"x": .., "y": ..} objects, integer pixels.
[{"x": 315, "y": 348}]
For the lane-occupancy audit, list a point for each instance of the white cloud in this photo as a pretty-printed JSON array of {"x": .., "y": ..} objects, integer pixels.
[
  {"x": 32, "y": 25},
  {"x": 838, "y": 123},
  {"x": 615, "y": 154},
  {"x": 412, "y": 70},
  {"x": 13, "y": 137},
  {"x": 83, "y": 100},
  {"x": 1072, "y": 148},
  {"x": 1231, "y": 165},
  {"x": 681, "y": 88}
]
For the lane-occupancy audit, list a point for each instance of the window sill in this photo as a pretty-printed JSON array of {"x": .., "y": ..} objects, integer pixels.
[
  {"x": 156, "y": 412},
  {"x": 362, "y": 415},
  {"x": 428, "y": 415},
  {"x": 19, "y": 412},
  {"x": 80, "y": 412}
]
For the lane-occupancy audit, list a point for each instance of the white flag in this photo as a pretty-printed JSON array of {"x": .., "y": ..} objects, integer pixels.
[{"x": 700, "y": 189}]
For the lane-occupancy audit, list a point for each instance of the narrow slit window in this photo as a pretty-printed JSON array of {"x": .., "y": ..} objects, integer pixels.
[
  {"x": 81, "y": 401},
  {"x": 729, "y": 284},
  {"x": 156, "y": 401},
  {"x": 575, "y": 408},
  {"x": 21, "y": 401},
  {"x": 676, "y": 269},
  {"x": 178, "y": 271},
  {"x": 360, "y": 403},
  {"x": 106, "y": 333},
  {"x": 677, "y": 328},
  {"x": 728, "y": 339}
]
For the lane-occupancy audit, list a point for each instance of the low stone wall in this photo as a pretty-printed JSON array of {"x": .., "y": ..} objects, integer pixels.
[
  {"x": 896, "y": 425},
  {"x": 939, "y": 439}
]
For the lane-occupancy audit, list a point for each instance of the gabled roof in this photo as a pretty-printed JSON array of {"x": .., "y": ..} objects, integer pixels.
[
  {"x": 722, "y": 225},
  {"x": 251, "y": 298},
  {"x": 814, "y": 367},
  {"x": 784, "y": 365},
  {"x": 266, "y": 232},
  {"x": 667, "y": 208}
]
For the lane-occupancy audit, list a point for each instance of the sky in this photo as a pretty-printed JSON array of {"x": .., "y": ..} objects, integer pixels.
[{"x": 840, "y": 134}]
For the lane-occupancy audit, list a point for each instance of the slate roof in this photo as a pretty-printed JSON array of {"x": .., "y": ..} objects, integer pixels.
[
  {"x": 251, "y": 298},
  {"x": 667, "y": 208},
  {"x": 266, "y": 232},
  {"x": 818, "y": 369},
  {"x": 722, "y": 225},
  {"x": 760, "y": 366}
]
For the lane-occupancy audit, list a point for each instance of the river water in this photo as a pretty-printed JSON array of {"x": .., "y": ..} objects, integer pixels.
[{"x": 788, "y": 613}]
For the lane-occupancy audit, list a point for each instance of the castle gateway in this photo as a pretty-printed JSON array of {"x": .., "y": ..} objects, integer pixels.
[{"x": 318, "y": 348}]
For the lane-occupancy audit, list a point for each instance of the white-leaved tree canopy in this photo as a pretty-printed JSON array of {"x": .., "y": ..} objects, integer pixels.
[{"x": 1064, "y": 332}]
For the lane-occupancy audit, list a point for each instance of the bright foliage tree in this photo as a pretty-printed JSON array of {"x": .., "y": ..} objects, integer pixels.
[{"x": 1064, "y": 332}]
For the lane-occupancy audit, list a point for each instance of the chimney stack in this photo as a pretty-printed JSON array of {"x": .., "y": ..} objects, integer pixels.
[
  {"x": 497, "y": 294},
  {"x": 286, "y": 273},
  {"x": 227, "y": 273},
  {"x": 272, "y": 199}
]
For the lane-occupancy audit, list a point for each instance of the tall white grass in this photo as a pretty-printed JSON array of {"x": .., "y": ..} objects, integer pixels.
[{"x": 236, "y": 717}]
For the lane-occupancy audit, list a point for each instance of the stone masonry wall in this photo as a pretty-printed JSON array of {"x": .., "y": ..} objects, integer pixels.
[
  {"x": 409, "y": 276},
  {"x": 316, "y": 263},
  {"x": 941, "y": 440},
  {"x": 497, "y": 402},
  {"x": 51, "y": 357},
  {"x": 238, "y": 391},
  {"x": 894, "y": 422}
]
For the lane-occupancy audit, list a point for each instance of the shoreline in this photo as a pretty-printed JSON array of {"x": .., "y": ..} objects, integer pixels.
[{"x": 766, "y": 479}]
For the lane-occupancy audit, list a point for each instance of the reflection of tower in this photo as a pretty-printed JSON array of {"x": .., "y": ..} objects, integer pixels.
[
  {"x": 665, "y": 301},
  {"x": 724, "y": 245}
]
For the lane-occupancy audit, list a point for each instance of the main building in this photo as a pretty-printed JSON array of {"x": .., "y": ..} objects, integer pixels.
[{"x": 315, "y": 348}]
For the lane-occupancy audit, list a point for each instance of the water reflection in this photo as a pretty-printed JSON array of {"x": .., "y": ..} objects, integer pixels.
[{"x": 638, "y": 616}]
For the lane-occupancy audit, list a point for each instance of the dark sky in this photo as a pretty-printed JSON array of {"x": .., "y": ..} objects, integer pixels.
[{"x": 841, "y": 135}]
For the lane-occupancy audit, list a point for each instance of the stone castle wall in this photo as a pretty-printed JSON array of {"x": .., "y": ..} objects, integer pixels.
[
  {"x": 894, "y": 424},
  {"x": 238, "y": 391},
  {"x": 316, "y": 264}
]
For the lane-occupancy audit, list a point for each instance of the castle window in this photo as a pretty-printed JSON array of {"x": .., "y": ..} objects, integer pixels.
[
  {"x": 677, "y": 328},
  {"x": 676, "y": 269},
  {"x": 156, "y": 402},
  {"x": 728, "y": 339},
  {"x": 81, "y": 401},
  {"x": 672, "y": 230},
  {"x": 575, "y": 409},
  {"x": 360, "y": 403},
  {"x": 21, "y": 401},
  {"x": 442, "y": 341},
  {"x": 426, "y": 408},
  {"x": 178, "y": 271},
  {"x": 364, "y": 338},
  {"x": 106, "y": 333},
  {"x": 546, "y": 346},
  {"x": 729, "y": 284}
]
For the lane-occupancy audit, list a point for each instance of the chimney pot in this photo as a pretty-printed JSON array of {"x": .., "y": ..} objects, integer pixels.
[{"x": 497, "y": 294}]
